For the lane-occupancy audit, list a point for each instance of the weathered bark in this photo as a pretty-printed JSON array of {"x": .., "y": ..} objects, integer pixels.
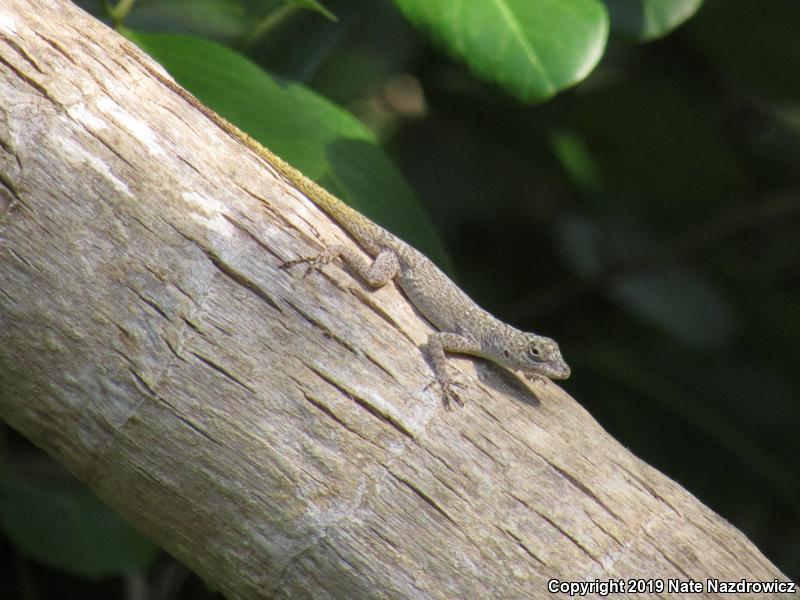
[{"x": 276, "y": 433}]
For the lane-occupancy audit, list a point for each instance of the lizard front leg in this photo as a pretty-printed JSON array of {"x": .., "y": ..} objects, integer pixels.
[
  {"x": 376, "y": 273},
  {"x": 438, "y": 343}
]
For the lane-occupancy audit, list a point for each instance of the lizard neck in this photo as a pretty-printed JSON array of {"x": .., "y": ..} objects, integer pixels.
[{"x": 497, "y": 337}]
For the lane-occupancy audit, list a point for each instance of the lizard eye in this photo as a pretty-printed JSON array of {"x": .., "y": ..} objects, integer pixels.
[{"x": 534, "y": 352}]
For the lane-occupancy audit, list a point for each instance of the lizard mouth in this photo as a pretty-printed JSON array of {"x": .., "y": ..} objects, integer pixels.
[{"x": 561, "y": 371}]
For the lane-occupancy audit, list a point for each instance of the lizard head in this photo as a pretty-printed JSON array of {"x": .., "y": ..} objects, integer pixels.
[{"x": 536, "y": 355}]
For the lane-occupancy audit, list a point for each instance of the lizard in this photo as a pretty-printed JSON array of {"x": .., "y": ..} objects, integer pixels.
[{"x": 463, "y": 326}]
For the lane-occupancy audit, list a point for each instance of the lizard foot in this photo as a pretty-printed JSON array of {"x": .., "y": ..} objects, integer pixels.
[
  {"x": 448, "y": 394},
  {"x": 446, "y": 385},
  {"x": 315, "y": 263},
  {"x": 537, "y": 378}
]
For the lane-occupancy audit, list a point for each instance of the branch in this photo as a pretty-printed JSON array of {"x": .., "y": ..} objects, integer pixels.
[{"x": 275, "y": 433}]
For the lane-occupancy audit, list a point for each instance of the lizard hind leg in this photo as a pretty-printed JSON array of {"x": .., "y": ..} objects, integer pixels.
[
  {"x": 376, "y": 273},
  {"x": 314, "y": 262},
  {"x": 380, "y": 271}
]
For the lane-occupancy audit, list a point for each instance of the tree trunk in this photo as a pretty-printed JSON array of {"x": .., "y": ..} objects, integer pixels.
[{"x": 276, "y": 433}]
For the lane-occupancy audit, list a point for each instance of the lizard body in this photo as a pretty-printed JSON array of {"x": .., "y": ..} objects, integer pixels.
[{"x": 464, "y": 327}]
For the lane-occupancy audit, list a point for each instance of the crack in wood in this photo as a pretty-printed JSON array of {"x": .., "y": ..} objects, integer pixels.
[
  {"x": 582, "y": 487},
  {"x": 686, "y": 576},
  {"x": 29, "y": 80},
  {"x": 193, "y": 326},
  {"x": 22, "y": 54},
  {"x": 425, "y": 497},
  {"x": 377, "y": 363},
  {"x": 142, "y": 383},
  {"x": 226, "y": 269},
  {"x": 375, "y": 411},
  {"x": 227, "y": 374},
  {"x": 240, "y": 278},
  {"x": 324, "y": 408},
  {"x": 604, "y": 530},
  {"x": 563, "y": 532},
  {"x": 149, "y": 302},
  {"x": 383, "y": 538},
  {"x": 198, "y": 429},
  {"x": 252, "y": 237},
  {"x": 453, "y": 490},
  {"x": 104, "y": 143},
  {"x": 648, "y": 488},
  {"x": 55, "y": 46},
  {"x": 317, "y": 324},
  {"x": 518, "y": 540},
  {"x": 478, "y": 448},
  {"x": 366, "y": 298},
  {"x": 520, "y": 500}
]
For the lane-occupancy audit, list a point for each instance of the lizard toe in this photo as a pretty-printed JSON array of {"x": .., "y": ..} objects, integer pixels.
[{"x": 449, "y": 395}]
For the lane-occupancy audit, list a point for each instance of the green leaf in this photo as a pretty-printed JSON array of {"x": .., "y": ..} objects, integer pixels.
[
  {"x": 70, "y": 529},
  {"x": 577, "y": 160},
  {"x": 221, "y": 20},
  {"x": 314, "y": 5},
  {"x": 533, "y": 48},
  {"x": 301, "y": 127},
  {"x": 649, "y": 19}
]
